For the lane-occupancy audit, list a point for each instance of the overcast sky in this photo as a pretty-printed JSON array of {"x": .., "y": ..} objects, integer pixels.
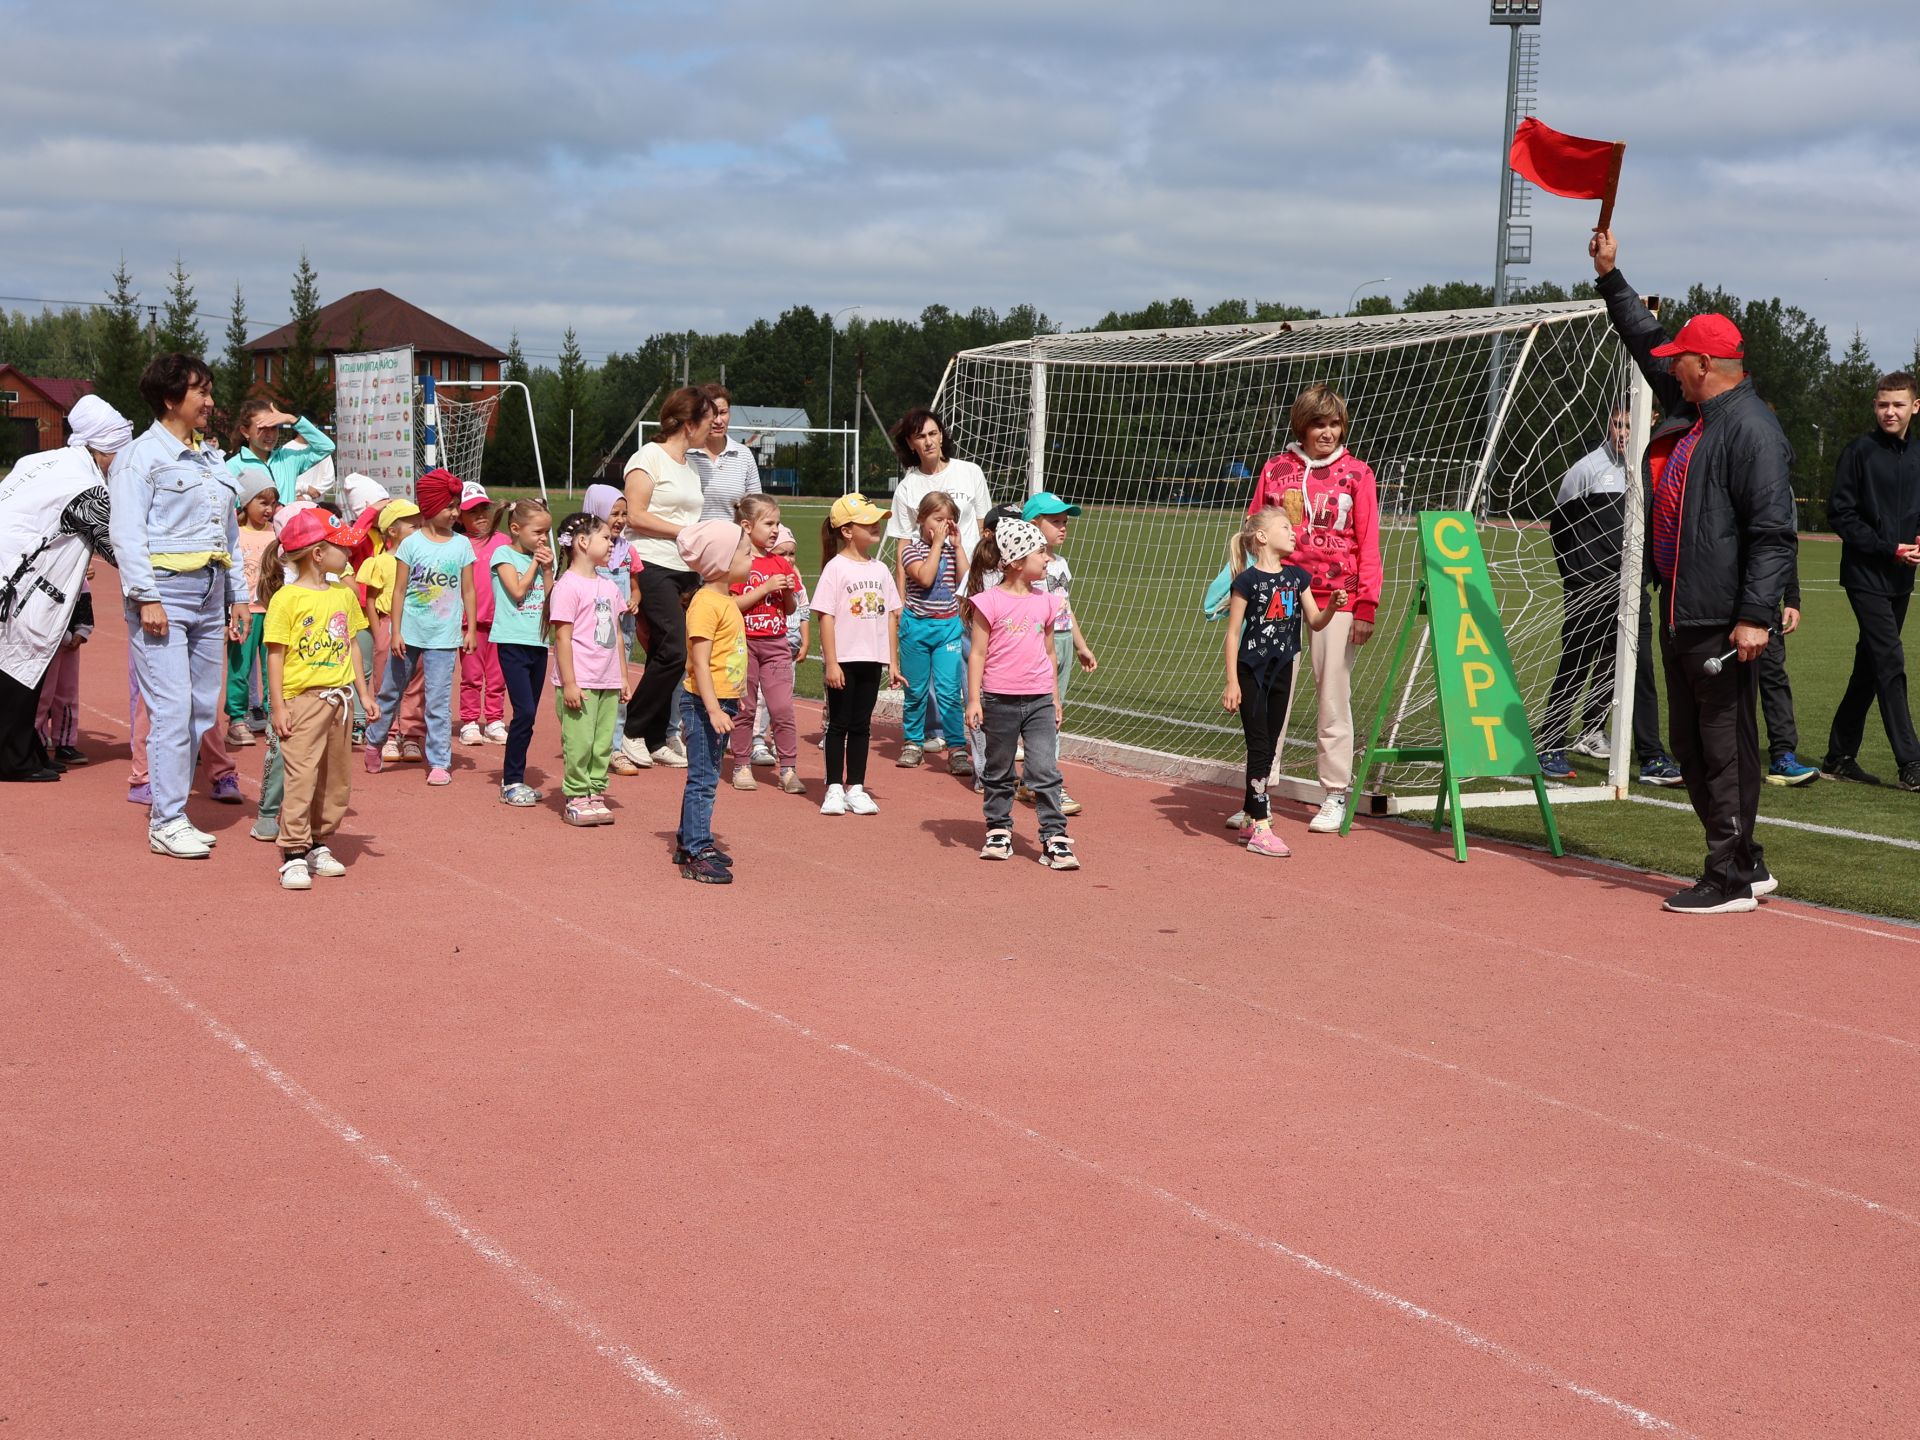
[{"x": 632, "y": 168}]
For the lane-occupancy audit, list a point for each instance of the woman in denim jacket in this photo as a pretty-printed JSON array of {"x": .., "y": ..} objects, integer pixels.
[{"x": 176, "y": 537}]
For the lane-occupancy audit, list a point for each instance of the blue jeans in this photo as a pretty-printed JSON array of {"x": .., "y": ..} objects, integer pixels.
[
  {"x": 183, "y": 675},
  {"x": 440, "y": 666},
  {"x": 934, "y": 669},
  {"x": 705, "y": 749}
]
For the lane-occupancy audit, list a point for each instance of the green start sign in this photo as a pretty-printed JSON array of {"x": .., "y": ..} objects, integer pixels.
[{"x": 1481, "y": 712}]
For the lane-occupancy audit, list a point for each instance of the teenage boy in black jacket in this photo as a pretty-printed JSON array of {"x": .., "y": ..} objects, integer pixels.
[
  {"x": 1722, "y": 537},
  {"x": 1875, "y": 510}
]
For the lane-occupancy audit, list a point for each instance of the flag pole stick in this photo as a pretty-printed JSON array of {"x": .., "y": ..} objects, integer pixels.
[{"x": 1613, "y": 186}]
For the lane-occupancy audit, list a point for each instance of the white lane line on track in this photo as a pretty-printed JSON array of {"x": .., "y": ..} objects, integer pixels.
[
  {"x": 684, "y": 1407},
  {"x": 1807, "y": 826},
  {"x": 1540, "y": 1097},
  {"x": 1409, "y": 1309}
]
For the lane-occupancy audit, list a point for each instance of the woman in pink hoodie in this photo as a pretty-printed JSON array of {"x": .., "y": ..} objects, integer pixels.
[{"x": 1330, "y": 497}]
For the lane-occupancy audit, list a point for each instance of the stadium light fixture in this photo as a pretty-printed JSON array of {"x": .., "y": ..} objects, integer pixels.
[{"x": 1364, "y": 285}]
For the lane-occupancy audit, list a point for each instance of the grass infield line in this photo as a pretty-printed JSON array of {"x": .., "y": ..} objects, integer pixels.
[
  {"x": 689, "y": 1411},
  {"x": 1807, "y": 825},
  {"x": 1408, "y": 1309},
  {"x": 1540, "y": 1097}
]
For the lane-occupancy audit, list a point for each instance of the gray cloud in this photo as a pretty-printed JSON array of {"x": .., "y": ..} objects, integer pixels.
[{"x": 628, "y": 169}]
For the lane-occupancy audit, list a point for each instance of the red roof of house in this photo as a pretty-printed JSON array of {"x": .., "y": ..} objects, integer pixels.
[
  {"x": 62, "y": 393},
  {"x": 385, "y": 321}
]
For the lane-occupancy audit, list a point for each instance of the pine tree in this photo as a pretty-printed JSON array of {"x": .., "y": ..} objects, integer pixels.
[
  {"x": 124, "y": 350},
  {"x": 509, "y": 454},
  {"x": 180, "y": 322},
  {"x": 569, "y": 403},
  {"x": 1846, "y": 406},
  {"x": 233, "y": 376},
  {"x": 305, "y": 386}
]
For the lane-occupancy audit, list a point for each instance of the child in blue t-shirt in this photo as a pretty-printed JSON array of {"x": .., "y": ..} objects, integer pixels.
[{"x": 1263, "y": 639}]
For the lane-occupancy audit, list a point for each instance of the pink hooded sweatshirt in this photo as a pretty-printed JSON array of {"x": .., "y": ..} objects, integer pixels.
[{"x": 1336, "y": 518}]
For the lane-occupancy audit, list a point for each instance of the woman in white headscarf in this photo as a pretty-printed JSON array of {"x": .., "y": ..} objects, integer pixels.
[{"x": 53, "y": 520}]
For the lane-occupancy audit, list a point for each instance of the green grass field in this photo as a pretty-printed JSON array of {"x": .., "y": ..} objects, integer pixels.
[{"x": 1139, "y": 576}]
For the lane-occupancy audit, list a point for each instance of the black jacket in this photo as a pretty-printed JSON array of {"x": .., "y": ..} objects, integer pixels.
[
  {"x": 1738, "y": 541},
  {"x": 1875, "y": 506},
  {"x": 1586, "y": 532}
]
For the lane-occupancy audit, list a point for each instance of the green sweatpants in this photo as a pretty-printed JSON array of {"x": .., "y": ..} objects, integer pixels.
[
  {"x": 242, "y": 656},
  {"x": 586, "y": 739}
]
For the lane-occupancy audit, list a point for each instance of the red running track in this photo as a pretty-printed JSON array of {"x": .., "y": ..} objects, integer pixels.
[{"x": 513, "y": 1132}]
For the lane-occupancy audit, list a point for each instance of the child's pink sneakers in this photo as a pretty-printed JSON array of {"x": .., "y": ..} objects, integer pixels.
[{"x": 1267, "y": 842}]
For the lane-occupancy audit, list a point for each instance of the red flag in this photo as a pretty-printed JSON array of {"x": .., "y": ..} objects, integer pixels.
[{"x": 1568, "y": 165}]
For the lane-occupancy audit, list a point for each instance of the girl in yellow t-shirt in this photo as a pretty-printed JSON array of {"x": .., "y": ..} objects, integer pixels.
[{"x": 313, "y": 669}]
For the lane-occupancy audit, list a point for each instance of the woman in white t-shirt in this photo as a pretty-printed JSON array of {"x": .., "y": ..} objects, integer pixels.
[
  {"x": 925, "y": 452},
  {"x": 663, "y": 497}
]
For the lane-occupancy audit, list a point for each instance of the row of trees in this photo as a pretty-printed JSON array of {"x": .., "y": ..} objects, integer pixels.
[
  {"x": 871, "y": 367},
  {"x": 110, "y": 344}
]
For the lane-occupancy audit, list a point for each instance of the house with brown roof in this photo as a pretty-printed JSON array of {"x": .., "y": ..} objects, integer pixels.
[
  {"x": 381, "y": 320},
  {"x": 32, "y": 407}
]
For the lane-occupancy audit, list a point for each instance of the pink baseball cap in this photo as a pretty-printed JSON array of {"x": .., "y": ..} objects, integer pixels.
[
  {"x": 312, "y": 525},
  {"x": 473, "y": 495}
]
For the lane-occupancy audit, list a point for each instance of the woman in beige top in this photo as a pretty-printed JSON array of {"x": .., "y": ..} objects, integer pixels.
[{"x": 663, "y": 497}]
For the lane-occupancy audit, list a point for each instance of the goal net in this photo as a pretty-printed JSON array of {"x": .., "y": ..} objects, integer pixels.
[
  {"x": 459, "y": 430},
  {"x": 1160, "y": 436}
]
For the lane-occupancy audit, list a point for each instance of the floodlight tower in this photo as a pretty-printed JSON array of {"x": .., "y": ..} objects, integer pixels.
[{"x": 1514, "y": 242}]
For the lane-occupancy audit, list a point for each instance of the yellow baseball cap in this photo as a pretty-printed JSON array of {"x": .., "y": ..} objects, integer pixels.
[
  {"x": 396, "y": 510},
  {"x": 855, "y": 509}
]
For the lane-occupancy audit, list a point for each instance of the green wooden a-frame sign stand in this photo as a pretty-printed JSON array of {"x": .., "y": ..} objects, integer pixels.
[{"x": 1483, "y": 722}]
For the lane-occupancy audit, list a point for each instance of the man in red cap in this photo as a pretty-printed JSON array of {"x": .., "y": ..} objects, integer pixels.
[{"x": 1722, "y": 541}]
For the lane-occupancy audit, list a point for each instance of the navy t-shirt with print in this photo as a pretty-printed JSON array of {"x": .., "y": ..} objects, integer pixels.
[{"x": 1270, "y": 638}]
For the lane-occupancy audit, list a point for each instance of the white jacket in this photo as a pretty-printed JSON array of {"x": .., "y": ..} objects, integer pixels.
[{"x": 41, "y": 568}]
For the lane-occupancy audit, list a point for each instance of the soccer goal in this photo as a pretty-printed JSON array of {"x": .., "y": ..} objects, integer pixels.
[
  {"x": 1159, "y": 435},
  {"x": 457, "y": 428}
]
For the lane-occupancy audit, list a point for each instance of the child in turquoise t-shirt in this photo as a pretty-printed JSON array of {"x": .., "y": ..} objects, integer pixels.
[
  {"x": 431, "y": 628},
  {"x": 522, "y": 571}
]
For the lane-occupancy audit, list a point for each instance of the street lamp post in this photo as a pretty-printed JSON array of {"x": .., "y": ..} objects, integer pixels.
[
  {"x": 1364, "y": 285},
  {"x": 833, "y": 334}
]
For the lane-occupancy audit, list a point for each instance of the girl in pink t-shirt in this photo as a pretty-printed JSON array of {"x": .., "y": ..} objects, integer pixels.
[
  {"x": 589, "y": 664},
  {"x": 858, "y": 607},
  {"x": 1011, "y": 690},
  {"x": 483, "y": 688}
]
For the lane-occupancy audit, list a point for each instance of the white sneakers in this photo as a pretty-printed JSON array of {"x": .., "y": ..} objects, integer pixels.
[
  {"x": 321, "y": 862},
  {"x": 297, "y": 872},
  {"x": 668, "y": 756},
  {"x": 470, "y": 734},
  {"x": 1594, "y": 744},
  {"x": 637, "y": 752},
  {"x": 180, "y": 841},
  {"x": 848, "y": 800},
  {"x": 1331, "y": 816},
  {"x": 495, "y": 732}
]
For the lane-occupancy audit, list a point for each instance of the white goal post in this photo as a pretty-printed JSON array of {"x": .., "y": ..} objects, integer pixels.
[
  {"x": 1159, "y": 435},
  {"x": 533, "y": 429}
]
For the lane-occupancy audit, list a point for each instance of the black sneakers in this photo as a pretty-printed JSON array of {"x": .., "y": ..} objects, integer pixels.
[
  {"x": 1910, "y": 775},
  {"x": 1845, "y": 767},
  {"x": 1706, "y": 898}
]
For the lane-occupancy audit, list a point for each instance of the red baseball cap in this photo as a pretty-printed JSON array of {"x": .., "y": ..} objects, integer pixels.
[
  {"x": 1714, "y": 336},
  {"x": 310, "y": 527}
]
